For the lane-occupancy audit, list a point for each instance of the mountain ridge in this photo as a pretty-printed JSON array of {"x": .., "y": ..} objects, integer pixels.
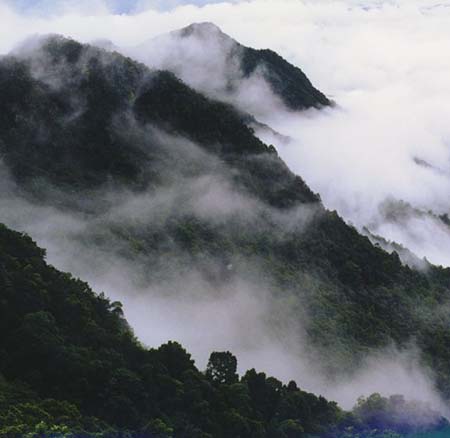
[
  {"x": 212, "y": 62},
  {"x": 93, "y": 119},
  {"x": 87, "y": 375}
]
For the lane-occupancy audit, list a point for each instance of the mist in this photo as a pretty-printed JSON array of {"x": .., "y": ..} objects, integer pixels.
[
  {"x": 382, "y": 62},
  {"x": 163, "y": 301},
  {"x": 386, "y": 140},
  {"x": 243, "y": 315},
  {"x": 209, "y": 61}
]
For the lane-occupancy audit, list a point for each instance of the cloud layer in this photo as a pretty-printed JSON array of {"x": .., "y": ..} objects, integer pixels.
[{"x": 385, "y": 64}]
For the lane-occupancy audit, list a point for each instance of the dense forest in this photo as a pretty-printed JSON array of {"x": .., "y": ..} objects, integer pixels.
[
  {"x": 71, "y": 367},
  {"x": 78, "y": 125}
]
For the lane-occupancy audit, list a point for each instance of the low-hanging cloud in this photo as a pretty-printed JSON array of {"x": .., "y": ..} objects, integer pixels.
[{"x": 384, "y": 64}]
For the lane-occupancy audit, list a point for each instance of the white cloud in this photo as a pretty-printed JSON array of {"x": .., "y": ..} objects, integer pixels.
[{"x": 387, "y": 66}]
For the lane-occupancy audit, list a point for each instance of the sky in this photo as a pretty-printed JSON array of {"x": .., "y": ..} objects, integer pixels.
[{"x": 48, "y": 7}]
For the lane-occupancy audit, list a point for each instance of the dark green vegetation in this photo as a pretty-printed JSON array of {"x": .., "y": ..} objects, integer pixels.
[
  {"x": 72, "y": 124},
  {"x": 60, "y": 341},
  {"x": 77, "y": 132},
  {"x": 71, "y": 367},
  {"x": 286, "y": 80}
]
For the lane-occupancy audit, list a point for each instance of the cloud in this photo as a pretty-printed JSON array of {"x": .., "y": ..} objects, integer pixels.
[
  {"x": 89, "y": 20},
  {"x": 384, "y": 63},
  {"x": 60, "y": 7},
  {"x": 165, "y": 5},
  {"x": 385, "y": 68},
  {"x": 390, "y": 372}
]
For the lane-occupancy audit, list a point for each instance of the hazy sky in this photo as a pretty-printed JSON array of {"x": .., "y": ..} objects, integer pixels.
[{"x": 114, "y": 6}]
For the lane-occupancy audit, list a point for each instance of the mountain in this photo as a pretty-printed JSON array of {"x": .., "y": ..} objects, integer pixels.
[
  {"x": 156, "y": 177},
  {"x": 75, "y": 128},
  {"x": 406, "y": 256},
  {"x": 70, "y": 366},
  {"x": 212, "y": 62},
  {"x": 421, "y": 231}
]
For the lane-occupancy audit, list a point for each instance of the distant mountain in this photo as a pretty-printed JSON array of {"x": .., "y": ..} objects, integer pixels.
[
  {"x": 421, "y": 231},
  {"x": 212, "y": 62},
  {"x": 406, "y": 256},
  {"x": 170, "y": 181}
]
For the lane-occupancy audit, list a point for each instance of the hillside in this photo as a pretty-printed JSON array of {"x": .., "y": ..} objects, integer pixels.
[
  {"x": 81, "y": 133},
  {"x": 70, "y": 356},
  {"x": 170, "y": 181},
  {"x": 71, "y": 367}
]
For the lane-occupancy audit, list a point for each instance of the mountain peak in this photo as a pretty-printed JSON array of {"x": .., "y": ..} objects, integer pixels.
[
  {"x": 211, "y": 61},
  {"x": 201, "y": 30}
]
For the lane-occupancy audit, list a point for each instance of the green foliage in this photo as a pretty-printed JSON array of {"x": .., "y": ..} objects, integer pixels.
[
  {"x": 24, "y": 415},
  {"x": 85, "y": 124},
  {"x": 158, "y": 429},
  {"x": 222, "y": 368},
  {"x": 109, "y": 383},
  {"x": 75, "y": 369}
]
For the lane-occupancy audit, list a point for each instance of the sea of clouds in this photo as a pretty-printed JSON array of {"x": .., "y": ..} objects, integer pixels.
[{"x": 384, "y": 63}]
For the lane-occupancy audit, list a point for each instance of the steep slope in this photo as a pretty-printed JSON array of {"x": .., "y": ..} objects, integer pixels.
[
  {"x": 69, "y": 355},
  {"x": 71, "y": 120},
  {"x": 172, "y": 182},
  {"x": 70, "y": 366},
  {"x": 214, "y": 63}
]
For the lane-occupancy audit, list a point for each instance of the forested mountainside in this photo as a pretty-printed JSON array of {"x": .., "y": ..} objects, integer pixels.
[
  {"x": 75, "y": 123},
  {"x": 213, "y": 62},
  {"x": 70, "y": 360},
  {"x": 171, "y": 180},
  {"x": 71, "y": 367}
]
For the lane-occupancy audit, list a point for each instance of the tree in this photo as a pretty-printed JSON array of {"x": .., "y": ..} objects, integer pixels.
[{"x": 222, "y": 368}]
